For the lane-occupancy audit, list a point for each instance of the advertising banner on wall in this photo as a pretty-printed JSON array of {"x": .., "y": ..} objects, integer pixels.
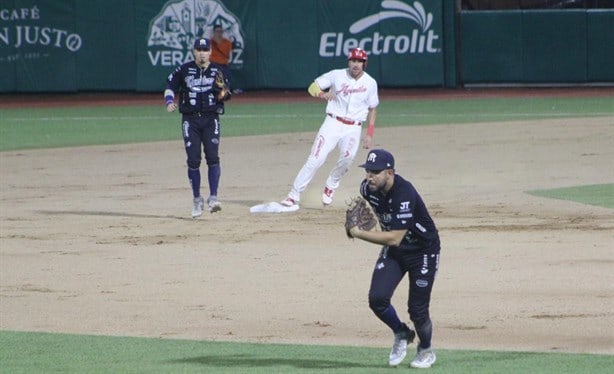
[
  {"x": 63, "y": 45},
  {"x": 98, "y": 45},
  {"x": 133, "y": 45},
  {"x": 168, "y": 31},
  {"x": 38, "y": 46},
  {"x": 403, "y": 38},
  {"x": 280, "y": 44}
]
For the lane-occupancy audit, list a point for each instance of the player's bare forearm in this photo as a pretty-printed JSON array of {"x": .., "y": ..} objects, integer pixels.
[
  {"x": 371, "y": 116},
  {"x": 367, "y": 142},
  {"x": 390, "y": 238}
]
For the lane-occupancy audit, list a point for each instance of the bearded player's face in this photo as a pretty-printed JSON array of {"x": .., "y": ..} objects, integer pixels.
[{"x": 377, "y": 179}]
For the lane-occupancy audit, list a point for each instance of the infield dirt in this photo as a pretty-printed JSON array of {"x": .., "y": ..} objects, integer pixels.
[{"x": 99, "y": 240}]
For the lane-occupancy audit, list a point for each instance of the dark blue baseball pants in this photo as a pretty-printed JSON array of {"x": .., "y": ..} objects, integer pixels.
[
  {"x": 197, "y": 130},
  {"x": 390, "y": 268}
]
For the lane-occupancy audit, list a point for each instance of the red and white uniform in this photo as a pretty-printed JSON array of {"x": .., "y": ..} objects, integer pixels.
[{"x": 342, "y": 126}]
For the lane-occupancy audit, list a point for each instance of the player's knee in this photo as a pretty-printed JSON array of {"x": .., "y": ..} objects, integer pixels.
[
  {"x": 193, "y": 163},
  {"x": 419, "y": 314},
  {"x": 213, "y": 161},
  {"x": 378, "y": 304},
  {"x": 315, "y": 163}
]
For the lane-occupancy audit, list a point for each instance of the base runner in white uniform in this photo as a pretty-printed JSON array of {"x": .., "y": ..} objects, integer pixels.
[{"x": 352, "y": 100}]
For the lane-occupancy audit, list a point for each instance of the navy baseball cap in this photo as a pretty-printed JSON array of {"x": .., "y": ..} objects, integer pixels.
[
  {"x": 378, "y": 159},
  {"x": 202, "y": 43}
]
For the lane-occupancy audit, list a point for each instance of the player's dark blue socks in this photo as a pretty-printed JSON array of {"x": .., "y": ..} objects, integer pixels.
[
  {"x": 213, "y": 174},
  {"x": 425, "y": 333},
  {"x": 194, "y": 176},
  {"x": 390, "y": 318}
]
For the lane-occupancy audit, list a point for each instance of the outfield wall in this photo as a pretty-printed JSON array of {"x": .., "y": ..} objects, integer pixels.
[
  {"x": 132, "y": 45},
  {"x": 537, "y": 46}
]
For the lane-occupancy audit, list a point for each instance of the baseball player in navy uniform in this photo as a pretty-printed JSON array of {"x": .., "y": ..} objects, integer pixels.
[
  {"x": 410, "y": 245},
  {"x": 201, "y": 104}
]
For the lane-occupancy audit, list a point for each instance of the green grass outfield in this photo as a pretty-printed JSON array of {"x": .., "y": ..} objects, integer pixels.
[
  {"x": 76, "y": 126},
  {"x": 595, "y": 194},
  {"x": 43, "y": 352},
  {"x": 32, "y": 128}
]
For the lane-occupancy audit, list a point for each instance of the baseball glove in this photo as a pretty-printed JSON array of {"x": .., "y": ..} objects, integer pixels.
[
  {"x": 359, "y": 213},
  {"x": 222, "y": 86}
]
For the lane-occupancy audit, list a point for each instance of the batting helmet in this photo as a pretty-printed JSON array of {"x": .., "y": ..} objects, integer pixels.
[{"x": 358, "y": 54}]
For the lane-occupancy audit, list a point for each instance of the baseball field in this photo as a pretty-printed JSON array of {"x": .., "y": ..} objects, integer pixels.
[{"x": 102, "y": 268}]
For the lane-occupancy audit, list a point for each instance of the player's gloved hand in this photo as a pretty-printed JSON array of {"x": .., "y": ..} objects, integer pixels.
[
  {"x": 221, "y": 87},
  {"x": 359, "y": 217}
]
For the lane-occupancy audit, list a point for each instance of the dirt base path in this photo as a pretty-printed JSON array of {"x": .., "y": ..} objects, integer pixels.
[{"x": 99, "y": 240}]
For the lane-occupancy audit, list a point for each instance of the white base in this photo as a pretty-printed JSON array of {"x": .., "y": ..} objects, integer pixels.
[{"x": 272, "y": 207}]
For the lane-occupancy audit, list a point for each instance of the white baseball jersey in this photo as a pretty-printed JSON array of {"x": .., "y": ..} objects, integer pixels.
[{"x": 354, "y": 97}]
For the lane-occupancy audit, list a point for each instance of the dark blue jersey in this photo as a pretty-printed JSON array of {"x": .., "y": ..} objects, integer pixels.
[
  {"x": 196, "y": 89},
  {"x": 402, "y": 208}
]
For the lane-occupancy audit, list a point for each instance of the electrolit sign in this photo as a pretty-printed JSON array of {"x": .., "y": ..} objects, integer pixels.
[
  {"x": 420, "y": 38},
  {"x": 173, "y": 31}
]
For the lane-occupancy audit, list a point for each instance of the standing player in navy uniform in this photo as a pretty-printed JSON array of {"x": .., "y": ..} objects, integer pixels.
[
  {"x": 411, "y": 245},
  {"x": 201, "y": 103}
]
